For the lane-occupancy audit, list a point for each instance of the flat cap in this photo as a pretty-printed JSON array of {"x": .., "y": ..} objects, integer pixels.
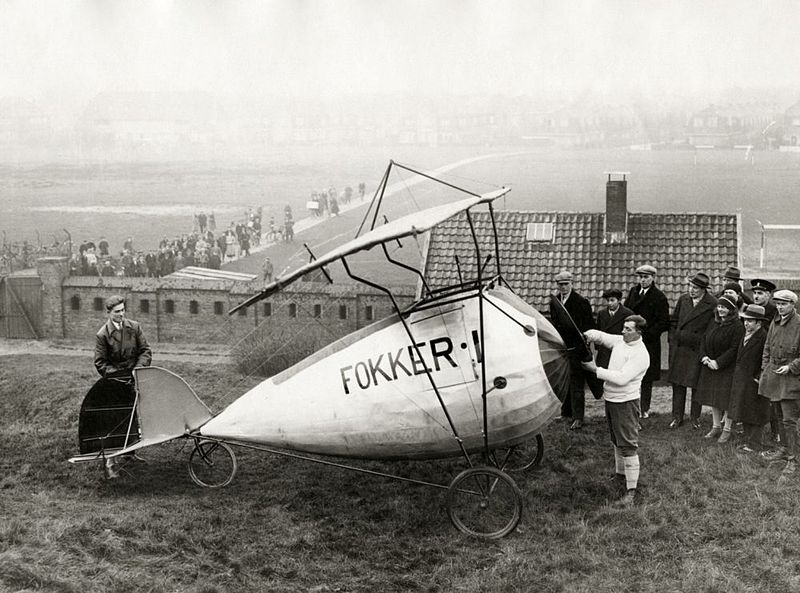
[
  {"x": 646, "y": 269},
  {"x": 785, "y": 295},
  {"x": 563, "y": 276},
  {"x": 761, "y": 284}
]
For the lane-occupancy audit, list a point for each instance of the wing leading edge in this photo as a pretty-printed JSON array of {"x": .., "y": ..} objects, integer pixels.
[{"x": 409, "y": 225}]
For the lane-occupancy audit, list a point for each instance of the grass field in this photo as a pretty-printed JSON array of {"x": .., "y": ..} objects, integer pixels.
[
  {"x": 709, "y": 519},
  {"x": 149, "y": 200}
]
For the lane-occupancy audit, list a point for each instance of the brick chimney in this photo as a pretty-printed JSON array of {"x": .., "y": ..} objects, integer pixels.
[{"x": 616, "y": 220}]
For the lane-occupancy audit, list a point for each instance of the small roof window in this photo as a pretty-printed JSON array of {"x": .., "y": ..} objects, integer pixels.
[{"x": 540, "y": 232}]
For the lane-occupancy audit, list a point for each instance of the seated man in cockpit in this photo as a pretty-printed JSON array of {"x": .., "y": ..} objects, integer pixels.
[{"x": 120, "y": 346}]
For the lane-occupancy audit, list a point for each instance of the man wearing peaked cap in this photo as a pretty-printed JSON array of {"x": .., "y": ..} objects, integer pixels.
[
  {"x": 692, "y": 316},
  {"x": 780, "y": 377},
  {"x": 762, "y": 295},
  {"x": 571, "y": 315},
  {"x": 647, "y": 300}
]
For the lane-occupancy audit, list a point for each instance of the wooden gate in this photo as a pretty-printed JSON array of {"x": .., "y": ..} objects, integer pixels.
[{"x": 21, "y": 305}]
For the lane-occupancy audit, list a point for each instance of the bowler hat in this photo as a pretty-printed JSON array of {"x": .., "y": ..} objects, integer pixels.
[
  {"x": 612, "y": 293},
  {"x": 733, "y": 273},
  {"x": 646, "y": 269},
  {"x": 563, "y": 276},
  {"x": 760, "y": 284},
  {"x": 753, "y": 312},
  {"x": 785, "y": 296},
  {"x": 700, "y": 280}
]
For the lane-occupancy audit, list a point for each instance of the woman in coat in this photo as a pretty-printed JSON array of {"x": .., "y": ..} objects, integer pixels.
[
  {"x": 746, "y": 406},
  {"x": 718, "y": 358}
]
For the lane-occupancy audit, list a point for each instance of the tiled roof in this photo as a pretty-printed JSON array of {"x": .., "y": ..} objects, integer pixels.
[{"x": 676, "y": 244}]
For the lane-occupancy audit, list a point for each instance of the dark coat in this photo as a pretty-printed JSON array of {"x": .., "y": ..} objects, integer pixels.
[
  {"x": 121, "y": 350},
  {"x": 654, "y": 307},
  {"x": 782, "y": 347},
  {"x": 746, "y": 405},
  {"x": 719, "y": 343},
  {"x": 571, "y": 331},
  {"x": 687, "y": 326},
  {"x": 610, "y": 325}
]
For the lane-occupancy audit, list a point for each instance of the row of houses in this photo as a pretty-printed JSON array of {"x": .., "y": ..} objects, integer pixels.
[{"x": 159, "y": 122}]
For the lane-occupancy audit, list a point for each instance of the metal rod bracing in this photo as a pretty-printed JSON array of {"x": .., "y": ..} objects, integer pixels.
[
  {"x": 458, "y": 269},
  {"x": 496, "y": 242},
  {"x": 312, "y": 258},
  {"x": 320, "y": 461},
  {"x": 378, "y": 196},
  {"x": 407, "y": 267},
  {"x": 481, "y": 338},
  {"x": 461, "y": 189},
  {"x": 414, "y": 345}
]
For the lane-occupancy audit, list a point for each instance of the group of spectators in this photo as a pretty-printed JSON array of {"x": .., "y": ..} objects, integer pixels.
[
  {"x": 327, "y": 201},
  {"x": 203, "y": 247},
  {"x": 738, "y": 351},
  {"x": 21, "y": 255}
]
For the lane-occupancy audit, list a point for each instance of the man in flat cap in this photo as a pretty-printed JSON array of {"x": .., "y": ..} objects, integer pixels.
[
  {"x": 647, "y": 300},
  {"x": 780, "y": 374},
  {"x": 693, "y": 314},
  {"x": 571, "y": 315}
]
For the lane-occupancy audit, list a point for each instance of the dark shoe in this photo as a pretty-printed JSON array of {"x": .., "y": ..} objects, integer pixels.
[
  {"x": 675, "y": 424},
  {"x": 576, "y": 425},
  {"x": 725, "y": 436},
  {"x": 627, "y": 499},
  {"x": 696, "y": 423},
  {"x": 713, "y": 433}
]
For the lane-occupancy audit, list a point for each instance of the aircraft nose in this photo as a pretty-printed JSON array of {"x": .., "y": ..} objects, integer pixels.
[{"x": 554, "y": 359}]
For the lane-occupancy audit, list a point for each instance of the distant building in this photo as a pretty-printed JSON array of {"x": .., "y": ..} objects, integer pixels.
[
  {"x": 731, "y": 125},
  {"x": 791, "y": 125}
]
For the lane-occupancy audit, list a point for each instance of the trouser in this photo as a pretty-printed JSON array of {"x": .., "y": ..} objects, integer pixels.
[
  {"x": 646, "y": 394},
  {"x": 790, "y": 408},
  {"x": 776, "y": 422},
  {"x": 752, "y": 434},
  {"x": 679, "y": 404},
  {"x": 574, "y": 404}
]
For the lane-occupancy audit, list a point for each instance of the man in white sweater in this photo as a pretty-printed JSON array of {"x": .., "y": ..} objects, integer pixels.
[{"x": 621, "y": 383}]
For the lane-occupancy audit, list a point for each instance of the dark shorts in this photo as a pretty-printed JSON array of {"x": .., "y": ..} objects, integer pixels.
[{"x": 623, "y": 423}]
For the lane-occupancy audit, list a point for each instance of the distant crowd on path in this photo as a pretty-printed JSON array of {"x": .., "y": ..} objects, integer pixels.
[
  {"x": 327, "y": 202},
  {"x": 738, "y": 351},
  {"x": 203, "y": 247}
]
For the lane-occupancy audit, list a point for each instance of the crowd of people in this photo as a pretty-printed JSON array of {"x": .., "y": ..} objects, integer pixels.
[
  {"x": 736, "y": 352},
  {"x": 203, "y": 246},
  {"x": 327, "y": 202},
  {"x": 21, "y": 255}
]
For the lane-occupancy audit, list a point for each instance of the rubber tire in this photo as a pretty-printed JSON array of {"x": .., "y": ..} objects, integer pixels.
[
  {"x": 212, "y": 464},
  {"x": 519, "y": 457},
  {"x": 467, "y": 495}
]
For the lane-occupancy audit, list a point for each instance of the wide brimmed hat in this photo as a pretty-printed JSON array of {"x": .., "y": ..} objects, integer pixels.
[
  {"x": 646, "y": 269},
  {"x": 754, "y": 312},
  {"x": 700, "y": 280},
  {"x": 733, "y": 273},
  {"x": 785, "y": 296},
  {"x": 761, "y": 284}
]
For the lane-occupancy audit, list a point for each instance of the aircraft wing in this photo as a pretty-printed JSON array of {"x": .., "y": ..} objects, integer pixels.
[{"x": 409, "y": 225}]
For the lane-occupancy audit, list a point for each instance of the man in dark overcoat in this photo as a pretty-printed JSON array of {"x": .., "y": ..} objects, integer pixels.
[
  {"x": 780, "y": 374},
  {"x": 762, "y": 295},
  {"x": 647, "y": 300},
  {"x": 693, "y": 314},
  {"x": 571, "y": 315},
  {"x": 610, "y": 320}
]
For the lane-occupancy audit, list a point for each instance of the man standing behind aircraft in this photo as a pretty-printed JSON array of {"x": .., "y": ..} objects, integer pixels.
[
  {"x": 571, "y": 314},
  {"x": 647, "y": 300},
  {"x": 622, "y": 380}
]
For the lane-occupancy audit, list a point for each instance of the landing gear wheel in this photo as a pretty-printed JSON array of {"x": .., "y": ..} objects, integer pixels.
[
  {"x": 212, "y": 464},
  {"x": 521, "y": 457},
  {"x": 484, "y": 502}
]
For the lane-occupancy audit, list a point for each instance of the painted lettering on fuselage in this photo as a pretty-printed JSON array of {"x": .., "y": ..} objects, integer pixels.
[{"x": 415, "y": 359}]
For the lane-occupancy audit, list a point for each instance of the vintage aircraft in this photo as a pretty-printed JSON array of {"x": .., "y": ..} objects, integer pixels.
[{"x": 466, "y": 370}]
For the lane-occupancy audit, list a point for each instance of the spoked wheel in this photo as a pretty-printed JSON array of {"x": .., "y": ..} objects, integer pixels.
[
  {"x": 212, "y": 464},
  {"x": 484, "y": 502},
  {"x": 521, "y": 457}
]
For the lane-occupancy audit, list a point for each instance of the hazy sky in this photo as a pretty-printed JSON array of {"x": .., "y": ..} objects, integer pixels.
[{"x": 74, "y": 49}]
